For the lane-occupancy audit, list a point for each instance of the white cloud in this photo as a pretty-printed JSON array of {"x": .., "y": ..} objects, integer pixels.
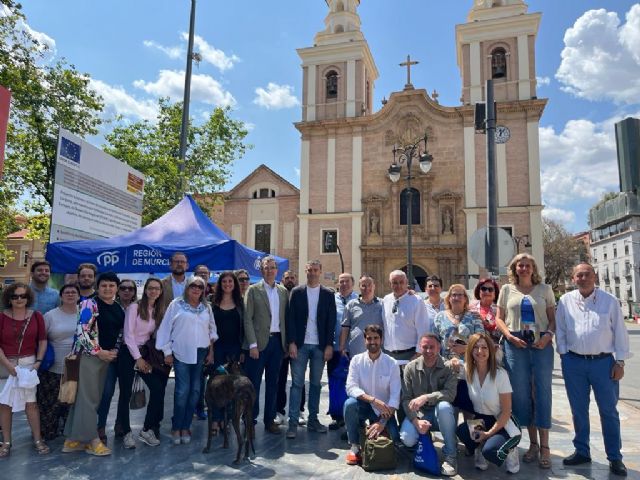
[
  {"x": 249, "y": 126},
  {"x": 42, "y": 38},
  {"x": 210, "y": 54},
  {"x": 171, "y": 52},
  {"x": 275, "y": 97},
  {"x": 559, "y": 215},
  {"x": 601, "y": 59},
  {"x": 119, "y": 102},
  {"x": 543, "y": 81},
  {"x": 204, "y": 88}
]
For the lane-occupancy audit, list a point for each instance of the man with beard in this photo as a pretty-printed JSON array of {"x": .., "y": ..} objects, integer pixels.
[
  {"x": 369, "y": 398},
  {"x": 46, "y": 298},
  {"x": 173, "y": 285},
  {"x": 86, "y": 280}
]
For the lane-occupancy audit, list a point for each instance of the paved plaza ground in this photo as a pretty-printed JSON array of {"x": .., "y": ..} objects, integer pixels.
[{"x": 310, "y": 456}]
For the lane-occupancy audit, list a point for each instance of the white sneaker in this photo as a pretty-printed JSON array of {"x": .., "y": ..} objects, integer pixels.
[
  {"x": 149, "y": 438},
  {"x": 479, "y": 461},
  {"x": 129, "y": 441},
  {"x": 280, "y": 419},
  {"x": 449, "y": 467},
  {"x": 301, "y": 420},
  {"x": 513, "y": 461}
]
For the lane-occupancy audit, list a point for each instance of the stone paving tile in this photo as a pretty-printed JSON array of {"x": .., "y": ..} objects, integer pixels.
[{"x": 310, "y": 456}]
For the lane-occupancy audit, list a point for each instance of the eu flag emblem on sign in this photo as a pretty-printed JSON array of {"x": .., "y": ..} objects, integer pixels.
[{"x": 70, "y": 150}]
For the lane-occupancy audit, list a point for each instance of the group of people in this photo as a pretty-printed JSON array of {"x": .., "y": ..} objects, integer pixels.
[{"x": 414, "y": 365}]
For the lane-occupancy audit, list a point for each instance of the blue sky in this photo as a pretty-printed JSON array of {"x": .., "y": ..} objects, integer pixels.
[{"x": 588, "y": 64}]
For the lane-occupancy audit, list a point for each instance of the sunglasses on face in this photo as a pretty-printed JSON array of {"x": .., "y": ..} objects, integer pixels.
[
  {"x": 19, "y": 296},
  {"x": 196, "y": 286},
  {"x": 486, "y": 289},
  {"x": 243, "y": 279},
  {"x": 127, "y": 289}
]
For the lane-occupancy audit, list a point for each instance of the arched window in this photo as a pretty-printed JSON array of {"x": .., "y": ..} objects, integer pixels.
[
  {"x": 332, "y": 84},
  {"x": 499, "y": 63},
  {"x": 413, "y": 196}
]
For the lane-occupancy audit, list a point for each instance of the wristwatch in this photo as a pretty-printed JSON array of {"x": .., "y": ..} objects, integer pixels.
[{"x": 620, "y": 362}]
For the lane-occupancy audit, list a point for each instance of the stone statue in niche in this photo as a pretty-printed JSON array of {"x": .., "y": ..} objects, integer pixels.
[
  {"x": 374, "y": 222},
  {"x": 447, "y": 221}
]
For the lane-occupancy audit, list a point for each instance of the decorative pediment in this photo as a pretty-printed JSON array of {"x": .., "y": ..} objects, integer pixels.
[{"x": 446, "y": 195}]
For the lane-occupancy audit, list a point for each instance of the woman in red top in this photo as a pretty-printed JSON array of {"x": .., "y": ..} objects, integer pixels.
[
  {"x": 486, "y": 294},
  {"x": 23, "y": 343}
]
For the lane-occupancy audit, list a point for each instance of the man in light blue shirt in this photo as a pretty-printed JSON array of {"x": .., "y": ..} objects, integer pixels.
[{"x": 46, "y": 298}]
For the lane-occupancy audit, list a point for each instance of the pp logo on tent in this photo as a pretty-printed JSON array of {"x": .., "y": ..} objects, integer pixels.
[
  {"x": 108, "y": 259},
  {"x": 257, "y": 263}
]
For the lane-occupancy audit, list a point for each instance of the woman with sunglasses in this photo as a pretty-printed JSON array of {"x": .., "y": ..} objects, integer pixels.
[
  {"x": 186, "y": 336},
  {"x": 228, "y": 310},
  {"x": 61, "y": 327},
  {"x": 490, "y": 393},
  {"x": 455, "y": 325},
  {"x": 23, "y": 343},
  {"x": 127, "y": 293},
  {"x": 486, "y": 295},
  {"x": 141, "y": 322},
  {"x": 526, "y": 318}
]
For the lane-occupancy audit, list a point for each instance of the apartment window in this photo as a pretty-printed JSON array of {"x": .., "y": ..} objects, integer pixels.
[
  {"x": 263, "y": 237},
  {"x": 615, "y": 251},
  {"x": 329, "y": 241},
  {"x": 617, "y": 292},
  {"x": 616, "y": 270},
  {"x": 24, "y": 258},
  {"x": 626, "y": 249}
]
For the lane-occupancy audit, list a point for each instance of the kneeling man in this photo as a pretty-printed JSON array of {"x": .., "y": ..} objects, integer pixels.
[
  {"x": 373, "y": 386},
  {"x": 428, "y": 390}
]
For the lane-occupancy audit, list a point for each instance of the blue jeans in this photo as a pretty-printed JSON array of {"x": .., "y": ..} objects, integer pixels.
[
  {"x": 443, "y": 419},
  {"x": 268, "y": 362},
  {"x": 314, "y": 356},
  {"x": 580, "y": 376},
  {"x": 496, "y": 448},
  {"x": 530, "y": 370},
  {"x": 187, "y": 391},
  {"x": 356, "y": 412}
]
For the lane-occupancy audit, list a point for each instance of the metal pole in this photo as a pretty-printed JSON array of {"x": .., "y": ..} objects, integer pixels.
[
  {"x": 492, "y": 190},
  {"x": 409, "y": 222},
  {"x": 185, "y": 104}
]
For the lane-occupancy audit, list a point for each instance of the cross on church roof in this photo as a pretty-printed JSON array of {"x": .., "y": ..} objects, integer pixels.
[{"x": 408, "y": 64}]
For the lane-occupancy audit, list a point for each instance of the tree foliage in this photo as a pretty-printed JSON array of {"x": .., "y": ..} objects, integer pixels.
[
  {"x": 152, "y": 148},
  {"x": 47, "y": 94},
  {"x": 561, "y": 253}
]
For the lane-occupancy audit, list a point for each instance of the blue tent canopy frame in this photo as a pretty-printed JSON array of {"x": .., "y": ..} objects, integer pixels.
[{"x": 185, "y": 228}]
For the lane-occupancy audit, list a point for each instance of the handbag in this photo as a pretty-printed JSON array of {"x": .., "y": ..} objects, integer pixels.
[
  {"x": 153, "y": 356},
  {"x": 377, "y": 453},
  {"x": 426, "y": 458},
  {"x": 69, "y": 380},
  {"x": 49, "y": 358},
  {"x": 4, "y": 372},
  {"x": 138, "y": 395}
]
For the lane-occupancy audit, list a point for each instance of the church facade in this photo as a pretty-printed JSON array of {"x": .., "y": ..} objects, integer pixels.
[{"x": 351, "y": 214}]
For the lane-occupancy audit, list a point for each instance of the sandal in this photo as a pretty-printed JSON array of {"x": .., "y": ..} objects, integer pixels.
[
  {"x": 545, "y": 460},
  {"x": 41, "y": 447},
  {"x": 5, "y": 449},
  {"x": 532, "y": 453}
]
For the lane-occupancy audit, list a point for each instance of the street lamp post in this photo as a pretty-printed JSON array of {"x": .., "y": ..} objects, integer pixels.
[{"x": 405, "y": 155}]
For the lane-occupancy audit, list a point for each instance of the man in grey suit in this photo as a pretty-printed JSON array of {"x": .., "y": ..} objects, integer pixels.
[{"x": 264, "y": 332}]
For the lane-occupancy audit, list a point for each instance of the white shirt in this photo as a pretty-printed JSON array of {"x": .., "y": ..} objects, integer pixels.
[
  {"x": 178, "y": 287},
  {"x": 184, "y": 329},
  {"x": 311, "y": 334},
  {"x": 403, "y": 328},
  {"x": 380, "y": 378},
  {"x": 274, "y": 306},
  {"x": 591, "y": 325},
  {"x": 486, "y": 398}
]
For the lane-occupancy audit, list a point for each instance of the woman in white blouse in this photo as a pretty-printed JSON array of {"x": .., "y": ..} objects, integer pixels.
[
  {"x": 186, "y": 335},
  {"x": 490, "y": 393}
]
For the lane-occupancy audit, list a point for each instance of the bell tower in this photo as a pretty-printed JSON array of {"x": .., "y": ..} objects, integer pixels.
[
  {"x": 338, "y": 71},
  {"x": 498, "y": 42}
]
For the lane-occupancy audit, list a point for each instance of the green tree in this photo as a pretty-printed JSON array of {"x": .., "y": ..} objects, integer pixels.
[
  {"x": 152, "y": 148},
  {"x": 561, "y": 253},
  {"x": 47, "y": 94}
]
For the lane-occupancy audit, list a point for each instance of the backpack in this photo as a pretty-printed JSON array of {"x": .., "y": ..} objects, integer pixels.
[{"x": 378, "y": 453}]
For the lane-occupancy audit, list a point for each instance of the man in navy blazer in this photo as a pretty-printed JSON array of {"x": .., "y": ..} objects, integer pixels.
[{"x": 311, "y": 320}]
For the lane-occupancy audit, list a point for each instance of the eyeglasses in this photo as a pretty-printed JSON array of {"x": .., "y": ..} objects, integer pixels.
[
  {"x": 128, "y": 289},
  {"x": 486, "y": 289},
  {"x": 196, "y": 286},
  {"x": 19, "y": 296},
  {"x": 243, "y": 279},
  {"x": 396, "y": 304}
]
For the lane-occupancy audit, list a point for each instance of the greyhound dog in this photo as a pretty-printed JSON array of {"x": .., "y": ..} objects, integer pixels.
[{"x": 229, "y": 388}]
